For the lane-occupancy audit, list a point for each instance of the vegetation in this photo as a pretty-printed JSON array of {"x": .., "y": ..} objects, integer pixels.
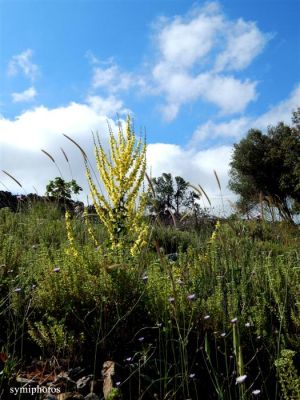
[
  {"x": 218, "y": 318},
  {"x": 266, "y": 169},
  {"x": 121, "y": 208},
  {"x": 175, "y": 198},
  {"x": 62, "y": 190}
]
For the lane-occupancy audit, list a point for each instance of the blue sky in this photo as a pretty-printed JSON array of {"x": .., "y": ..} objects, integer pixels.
[{"x": 196, "y": 75}]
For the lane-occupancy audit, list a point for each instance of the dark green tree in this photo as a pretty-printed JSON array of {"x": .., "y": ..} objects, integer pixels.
[
  {"x": 164, "y": 193},
  {"x": 173, "y": 195},
  {"x": 265, "y": 168},
  {"x": 62, "y": 190}
]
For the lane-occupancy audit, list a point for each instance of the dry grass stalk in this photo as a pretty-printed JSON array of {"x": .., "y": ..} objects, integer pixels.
[
  {"x": 48, "y": 155},
  {"x": 218, "y": 180},
  {"x": 77, "y": 145},
  {"x": 64, "y": 155},
  {"x": 14, "y": 179},
  {"x": 150, "y": 184},
  {"x": 205, "y": 194}
]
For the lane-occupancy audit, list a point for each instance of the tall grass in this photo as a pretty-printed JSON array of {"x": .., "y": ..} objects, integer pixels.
[{"x": 221, "y": 320}]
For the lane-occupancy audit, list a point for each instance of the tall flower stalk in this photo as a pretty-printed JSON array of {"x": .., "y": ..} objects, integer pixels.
[{"x": 121, "y": 171}]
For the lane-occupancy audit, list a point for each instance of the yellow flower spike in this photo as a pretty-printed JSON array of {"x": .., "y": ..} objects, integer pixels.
[
  {"x": 121, "y": 172},
  {"x": 72, "y": 251}
]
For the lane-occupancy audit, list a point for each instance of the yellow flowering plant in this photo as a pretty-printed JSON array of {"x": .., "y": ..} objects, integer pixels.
[{"x": 121, "y": 171}]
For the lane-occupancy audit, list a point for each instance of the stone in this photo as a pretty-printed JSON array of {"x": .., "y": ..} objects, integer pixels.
[
  {"x": 108, "y": 371},
  {"x": 91, "y": 396}
]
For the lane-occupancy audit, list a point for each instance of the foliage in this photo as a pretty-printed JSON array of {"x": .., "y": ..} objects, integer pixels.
[
  {"x": 121, "y": 172},
  {"x": 266, "y": 169},
  {"x": 62, "y": 190},
  {"x": 173, "y": 197},
  {"x": 288, "y": 376},
  {"x": 226, "y": 307}
]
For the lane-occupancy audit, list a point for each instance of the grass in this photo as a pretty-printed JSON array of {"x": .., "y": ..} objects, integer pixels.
[{"x": 219, "y": 321}]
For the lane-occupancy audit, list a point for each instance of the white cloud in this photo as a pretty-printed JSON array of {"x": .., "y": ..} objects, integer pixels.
[
  {"x": 22, "y": 138},
  {"x": 229, "y": 94},
  {"x": 28, "y": 95},
  {"x": 110, "y": 106},
  {"x": 229, "y": 129},
  {"x": 281, "y": 111},
  {"x": 238, "y": 127},
  {"x": 194, "y": 50},
  {"x": 182, "y": 42},
  {"x": 244, "y": 42},
  {"x": 111, "y": 78},
  {"x": 196, "y": 167},
  {"x": 21, "y": 63}
]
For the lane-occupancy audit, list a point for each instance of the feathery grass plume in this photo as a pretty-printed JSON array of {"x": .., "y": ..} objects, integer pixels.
[
  {"x": 218, "y": 180},
  {"x": 205, "y": 194},
  {"x": 150, "y": 184},
  {"x": 77, "y": 145},
  {"x": 122, "y": 172},
  {"x": 196, "y": 189},
  {"x": 85, "y": 157},
  {"x": 64, "y": 153},
  {"x": 53, "y": 160},
  {"x": 48, "y": 155},
  {"x": 67, "y": 159},
  {"x": 14, "y": 179}
]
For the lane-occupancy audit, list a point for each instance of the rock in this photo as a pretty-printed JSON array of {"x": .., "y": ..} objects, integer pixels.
[
  {"x": 110, "y": 386},
  {"x": 83, "y": 384},
  {"x": 108, "y": 371},
  {"x": 63, "y": 379},
  {"x": 91, "y": 396}
]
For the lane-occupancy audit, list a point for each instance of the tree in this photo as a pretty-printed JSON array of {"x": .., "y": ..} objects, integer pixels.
[
  {"x": 265, "y": 169},
  {"x": 171, "y": 195},
  {"x": 62, "y": 190}
]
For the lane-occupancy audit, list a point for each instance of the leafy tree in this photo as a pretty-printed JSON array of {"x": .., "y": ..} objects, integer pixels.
[
  {"x": 62, "y": 190},
  {"x": 172, "y": 194},
  {"x": 265, "y": 168}
]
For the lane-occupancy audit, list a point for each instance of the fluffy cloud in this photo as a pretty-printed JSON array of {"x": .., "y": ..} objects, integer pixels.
[
  {"x": 281, "y": 111},
  {"x": 236, "y": 128},
  {"x": 194, "y": 53},
  {"x": 109, "y": 106},
  {"x": 229, "y": 129},
  {"x": 22, "y": 139},
  {"x": 184, "y": 41},
  {"x": 244, "y": 42},
  {"x": 197, "y": 167},
  {"x": 111, "y": 79},
  {"x": 28, "y": 95},
  {"x": 21, "y": 63}
]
